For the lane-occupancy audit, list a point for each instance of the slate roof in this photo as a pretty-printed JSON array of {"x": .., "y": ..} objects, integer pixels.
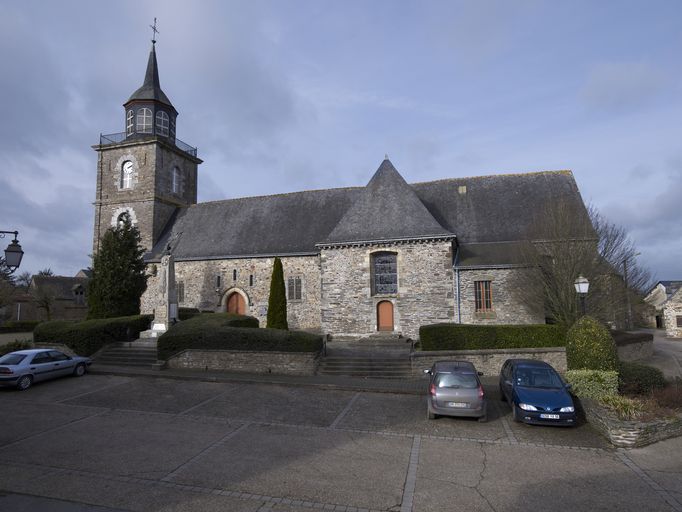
[
  {"x": 501, "y": 208},
  {"x": 493, "y": 254},
  {"x": 151, "y": 88},
  {"x": 671, "y": 287},
  {"x": 61, "y": 287}
]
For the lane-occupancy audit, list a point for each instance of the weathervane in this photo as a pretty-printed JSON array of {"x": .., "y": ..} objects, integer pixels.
[{"x": 154, "y": 31}]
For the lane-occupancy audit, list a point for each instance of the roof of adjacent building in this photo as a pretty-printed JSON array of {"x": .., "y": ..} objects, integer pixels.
[
  {"x": 483, "y": 210},
  {"x": 151, "y": 88},
  {"x": 671, "y": 287},
  {"x": 61, "y": 287}
]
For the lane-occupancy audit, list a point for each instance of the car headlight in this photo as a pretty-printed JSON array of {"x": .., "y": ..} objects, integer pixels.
[
  {"x": 528, "y": 407},
  {"x": 567, "y": 409}
]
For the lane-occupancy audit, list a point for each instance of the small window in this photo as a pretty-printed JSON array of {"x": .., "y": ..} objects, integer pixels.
[
  {"x": 217, "y": 281},
  {"x": 384, "y": 273},
  {"x": 251, "y": 280},
  {"x": 176, "y": 180},
  {"x": 162, "y": 123},
  {"x": 679, "y": 320},
  {"x": 234, "y": 275},
  {"x": 181, "y": 292},
  {"x": 144, "y": 120},
  {"x": 127, "y": 174},
  {"x": 130, "y": 122},
  {"x": 294, "y": 288},
  {"x": 483, "y": 296}
]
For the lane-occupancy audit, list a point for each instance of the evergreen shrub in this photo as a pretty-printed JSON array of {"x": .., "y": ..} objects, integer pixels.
[
  {"x": 592, "y": 383},
  {"x": 589, "y": 346},
  {"x": 9, "y": 327},
  {"x": 187, "y": 313},
  {"x": 15, "y": 345},
  {"x": 226, "y": 331},
  {"x": 636, "y": 378},
  {"x": 477, "y": 337},
  {"x": 86, "y": 338},
  {"x": 277, "y": 301}
]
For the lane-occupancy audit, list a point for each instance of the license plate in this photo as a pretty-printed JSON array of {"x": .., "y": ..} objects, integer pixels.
[
  {"x": 550, "y": 416},
  {"x": 457, "y": 404}
]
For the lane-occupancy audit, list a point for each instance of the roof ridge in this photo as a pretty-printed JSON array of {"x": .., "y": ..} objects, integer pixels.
[
  {"x": 530, "y": 173},
  {"x": 277, "y": 195}
]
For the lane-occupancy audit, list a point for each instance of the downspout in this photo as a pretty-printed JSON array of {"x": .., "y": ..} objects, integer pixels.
[{"x": 456, "y": 266}]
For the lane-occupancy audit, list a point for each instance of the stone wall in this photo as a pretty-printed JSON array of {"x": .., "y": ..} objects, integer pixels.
[
  {"x": 200, "y": 281},
  {"x": 507, "y": 306},
  {"x": 490, "y": 361},
  {"x": 281, "y": 363},
  {"x": 425, "y": 293},
  {"x": 633, "y": 346},
  {"x": 671, "y": 312}
]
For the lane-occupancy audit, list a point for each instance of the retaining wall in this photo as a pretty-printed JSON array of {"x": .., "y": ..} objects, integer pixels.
[{"x": 282, "y": 363}]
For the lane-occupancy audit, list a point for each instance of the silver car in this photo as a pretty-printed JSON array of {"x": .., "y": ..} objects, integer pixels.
[
  {"x": 24, "y": 367},
  {"x": 455, "y": 390}
]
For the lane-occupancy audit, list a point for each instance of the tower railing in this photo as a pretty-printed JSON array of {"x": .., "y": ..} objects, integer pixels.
[{"x": 117, "y": 138}]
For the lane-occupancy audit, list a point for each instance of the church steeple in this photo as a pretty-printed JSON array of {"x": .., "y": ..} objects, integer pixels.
[{"x": 151, "y": 88}]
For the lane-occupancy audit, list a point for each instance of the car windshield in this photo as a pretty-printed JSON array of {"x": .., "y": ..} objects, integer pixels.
[
  {"x": 538, "y": 378},
  {"x": 12, "y": 359},
  {"x": 455, "y": 380}
]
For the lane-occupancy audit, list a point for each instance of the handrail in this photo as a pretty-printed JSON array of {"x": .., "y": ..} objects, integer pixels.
[{"x": 117, "y": 138}]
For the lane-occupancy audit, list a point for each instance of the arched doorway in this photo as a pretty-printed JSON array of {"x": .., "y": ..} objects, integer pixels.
[
  {"x": 236, "y": 304},
  {"x": 385, "y": 316}
]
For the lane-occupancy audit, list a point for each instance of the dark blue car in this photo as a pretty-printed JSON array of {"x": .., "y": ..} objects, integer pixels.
[{"x": 536, "y": 393}]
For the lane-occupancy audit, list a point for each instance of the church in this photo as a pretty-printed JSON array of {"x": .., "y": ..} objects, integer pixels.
[{"x": 388, "y": 256}]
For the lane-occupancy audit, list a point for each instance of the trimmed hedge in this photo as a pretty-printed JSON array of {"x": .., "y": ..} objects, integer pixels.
[
  {"x": 226, "y": 331},
  {"x": 589, "y": 346},
  {"x": 15, "y": 345},
  {"x": 477, "y": 337},
  {"x": 636, "y": 378},
  {"x": 593, "y": 383},
  {"x": 187, "y": 313},
  {"x": 9, "y": 327},
  {"x": 86, "y": 338}
]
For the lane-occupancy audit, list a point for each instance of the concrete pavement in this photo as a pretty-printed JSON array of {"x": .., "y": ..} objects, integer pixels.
[{"x": 667, "y": 354}]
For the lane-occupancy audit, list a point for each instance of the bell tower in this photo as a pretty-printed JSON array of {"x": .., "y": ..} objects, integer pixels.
[{"x": 144, "y": 171}]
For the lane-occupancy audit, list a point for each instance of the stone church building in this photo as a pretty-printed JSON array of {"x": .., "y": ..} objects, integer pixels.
[{"x": 387, "y": 256}]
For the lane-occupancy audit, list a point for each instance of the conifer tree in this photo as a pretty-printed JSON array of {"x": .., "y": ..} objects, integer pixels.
[
  {"x": 118, "y": 273},
  {"x": 277, "y": 302}
]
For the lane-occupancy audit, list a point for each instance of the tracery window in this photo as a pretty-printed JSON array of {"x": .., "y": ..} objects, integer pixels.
[{"x": 384, "y": 273}]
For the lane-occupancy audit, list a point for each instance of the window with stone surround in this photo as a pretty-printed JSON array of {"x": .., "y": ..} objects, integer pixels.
[
  {"x": 484, "y": 296},
  {"x": 181, "y": 292},
  {"x": 679, "y": 320},
  {"x": 126, "y": 180},
  {"x": 294, "y": 288},
  {"x": 384, "y": 273}
]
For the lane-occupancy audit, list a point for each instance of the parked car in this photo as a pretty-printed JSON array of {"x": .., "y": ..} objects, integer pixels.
[
  {"x": 455, "y": 390},
  {"x": 536, "y": 393},
  {"x": 24, "y": 367}
]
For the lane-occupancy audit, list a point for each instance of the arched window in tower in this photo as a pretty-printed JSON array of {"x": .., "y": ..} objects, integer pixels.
[
  {"x": 176, "y": 181},
  {"x": 120, "y": 222},
  {"x": 162, "y": 123},
  {"x": 127, "y": 174},
  {"x": 130, "y": 122},
  {"x": 144, "y": 120},
  {"x": 172, "y": 129}
]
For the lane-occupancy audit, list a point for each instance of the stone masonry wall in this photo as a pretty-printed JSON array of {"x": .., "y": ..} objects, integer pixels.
[
  {"x": 200, "y": 278},
  {"x": 671, "y": 311},
  {"x": 425, "y": 292},
  {"x": 508, "y": 308},
  {"x": 281, "y": 363}
]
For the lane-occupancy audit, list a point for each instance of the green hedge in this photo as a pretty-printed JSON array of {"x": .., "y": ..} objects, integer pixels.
[
  {"x": 593, "y": 383},
  {"x": 589, "y": 346},
  {"x": 225, "y": 331},
  {"x": 476, "y": 337},
  {"x": 187, "y": 313},
  {"x": 15, "y": 345},
  {"x": 86, "y": 338},
  {"x": 638, "y": 378},
  {"x": 9, "y": 327}
]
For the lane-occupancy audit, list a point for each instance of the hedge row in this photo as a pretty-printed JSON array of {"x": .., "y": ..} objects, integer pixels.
[
  {"x": 86, "y": 338},
  {"x": 636, "y": 378},
  {"x": 477, "y": 337},
  {"x": 593, "y": 383},
  {"x": 225, "y": 331},
  {"x": 13, "y": 346},
  {"x": 9, "y": 327}
]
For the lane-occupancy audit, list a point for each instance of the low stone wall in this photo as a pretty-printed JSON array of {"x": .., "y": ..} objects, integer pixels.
[
  {"x": 282, "y": 363},
  {"x": 629, "y": 434},
  {"x": 490, "y": 361},
  {"x": 634, "y": 346}
]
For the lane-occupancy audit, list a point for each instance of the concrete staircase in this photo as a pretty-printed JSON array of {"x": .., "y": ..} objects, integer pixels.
[
  {"x": 140, "y": 353},
  {"x": 378, "y": 356}
]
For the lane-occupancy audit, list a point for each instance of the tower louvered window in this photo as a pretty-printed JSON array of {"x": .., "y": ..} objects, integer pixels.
[
  {"x": 162, "y": 123},
  {"x": 130, "y": 122},
  {"x": 144, "y": 120}
]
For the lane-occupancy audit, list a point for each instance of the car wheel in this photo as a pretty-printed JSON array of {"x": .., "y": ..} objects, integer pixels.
[
  {"x": 515, "y": 413},
  {"x": 24, "y": 382},
  {"x": 79, "y": 370}
]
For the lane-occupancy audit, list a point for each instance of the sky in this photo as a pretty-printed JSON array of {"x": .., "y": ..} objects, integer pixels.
[{"x": 281, "y": 96}]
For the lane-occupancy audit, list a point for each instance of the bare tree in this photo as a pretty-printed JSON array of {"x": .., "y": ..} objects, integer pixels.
[
  {"x": 567, "y": 241},
  {"x": 24, "y": 279},
  {"x": 47, "y": 272},
  {"x": 44, "y": 298}
]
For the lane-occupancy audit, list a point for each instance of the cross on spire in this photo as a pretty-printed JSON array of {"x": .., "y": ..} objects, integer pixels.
[{"x": 154, "y": 31}]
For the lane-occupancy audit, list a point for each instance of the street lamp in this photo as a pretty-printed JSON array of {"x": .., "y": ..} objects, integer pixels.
[
  {"x": 13, "y": 253},
  {"x": 582, "y": 285}
]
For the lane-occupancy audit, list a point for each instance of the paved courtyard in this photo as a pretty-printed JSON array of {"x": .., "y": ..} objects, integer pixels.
[{"x": 157, "y": 444}]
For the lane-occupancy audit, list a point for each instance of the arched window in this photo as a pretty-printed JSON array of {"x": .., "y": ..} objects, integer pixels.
[
  {"x": 127, "y": 174},
  {"x": 144, "y": 120},
  {"x": 120, "y": 222},
  {"x": 130, "y": 120},
  {"x": 176, "y": 181},
  {"x": 384, "y": 273},
  {"x": 162, "y": 123},
  {"x": 172, "y": 129}
]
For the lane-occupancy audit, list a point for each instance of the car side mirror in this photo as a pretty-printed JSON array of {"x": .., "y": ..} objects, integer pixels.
[
  {"x": 428, "y": 372},
  {"x": 508, "y": 383},
  {"x": 480, "y": 374}
]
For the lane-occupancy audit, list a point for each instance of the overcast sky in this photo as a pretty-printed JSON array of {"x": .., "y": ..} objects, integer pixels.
[{"x": 282, "y": 96}]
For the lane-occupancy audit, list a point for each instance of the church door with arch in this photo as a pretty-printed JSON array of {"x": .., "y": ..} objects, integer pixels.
[
  {"x": 236, "y": 304},
  {"x": 385, "y": 316}
]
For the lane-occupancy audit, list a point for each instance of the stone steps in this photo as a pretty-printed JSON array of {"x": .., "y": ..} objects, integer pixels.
[
  {"x": 139, "y": 354},
  {"x": 379, "y": 367}
]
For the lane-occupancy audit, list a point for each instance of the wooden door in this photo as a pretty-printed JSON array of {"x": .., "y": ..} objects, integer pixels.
[
  {"x": 385, "y": 316},
  {"x": 236, "y": 304}
]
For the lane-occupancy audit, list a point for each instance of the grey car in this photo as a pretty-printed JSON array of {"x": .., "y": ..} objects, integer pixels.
[
  {"x": 455, "y": 390},
  {"x": 24, "y": 367}
]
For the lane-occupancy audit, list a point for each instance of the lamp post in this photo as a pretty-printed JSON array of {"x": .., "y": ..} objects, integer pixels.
[
  {"x": 13, "y": 253},
  {"x": 582, "y": 285}
]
